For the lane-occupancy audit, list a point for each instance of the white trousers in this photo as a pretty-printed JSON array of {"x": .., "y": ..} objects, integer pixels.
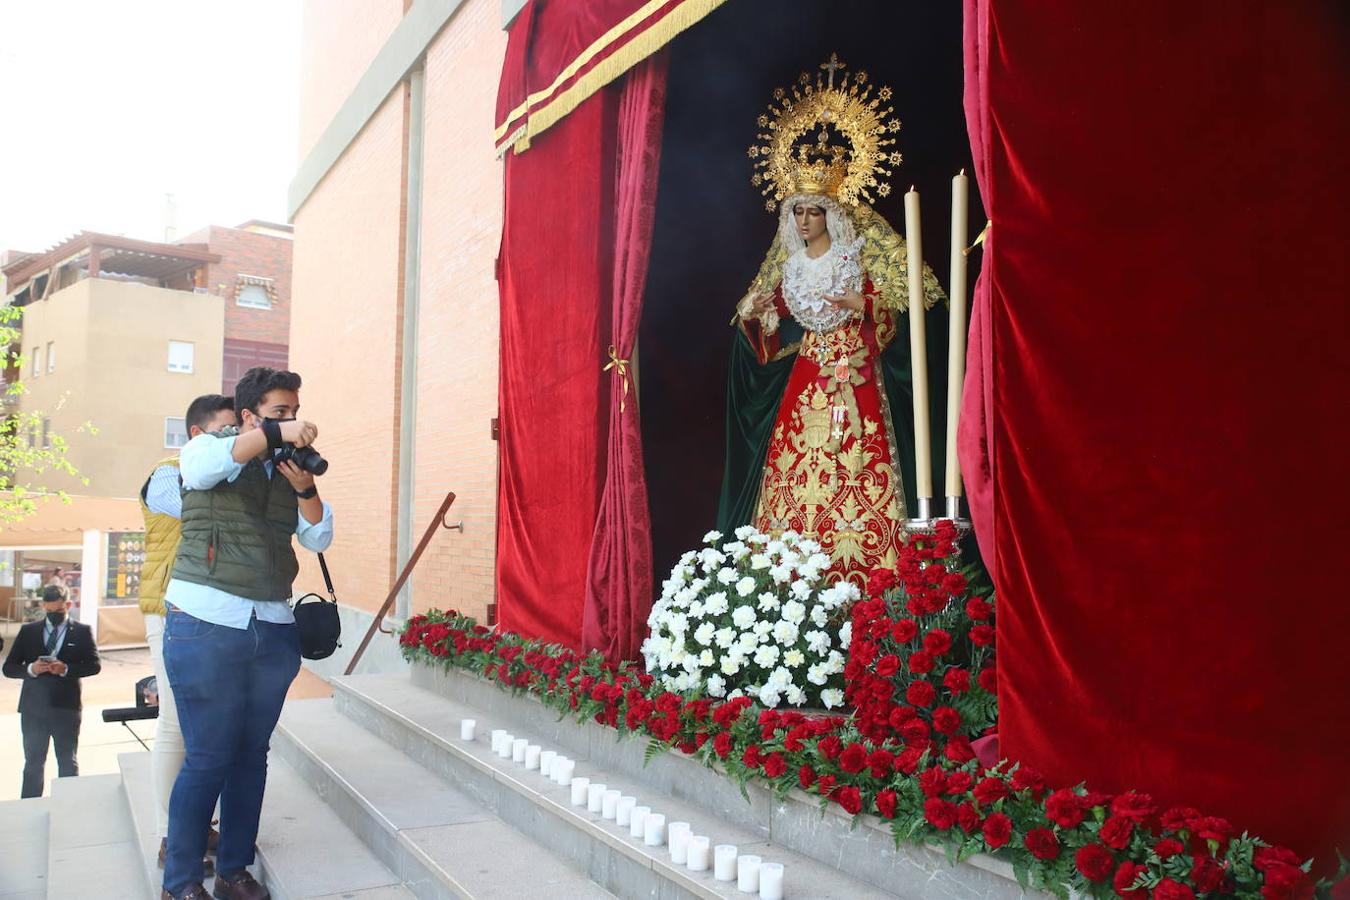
[{"x": 166, "y": 758}]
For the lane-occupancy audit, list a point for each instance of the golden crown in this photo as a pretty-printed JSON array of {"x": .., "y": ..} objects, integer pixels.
[{"x": 846, "y": 104}]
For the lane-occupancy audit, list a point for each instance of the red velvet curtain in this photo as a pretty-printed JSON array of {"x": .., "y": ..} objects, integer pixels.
[
  {"x": 555, "y": 274},
  {"x": 619, "y": 586},
  {"x": 1161, "y": 357}
]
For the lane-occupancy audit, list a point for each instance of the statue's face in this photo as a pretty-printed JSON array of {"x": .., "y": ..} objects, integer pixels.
[{"x": 810, "y": 221}]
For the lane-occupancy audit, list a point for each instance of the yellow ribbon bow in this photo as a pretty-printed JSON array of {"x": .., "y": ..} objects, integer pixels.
[{"x": 621, "y": 365}]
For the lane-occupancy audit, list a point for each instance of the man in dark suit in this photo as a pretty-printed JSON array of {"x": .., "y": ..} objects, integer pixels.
[{"x": 51, "y": 657}]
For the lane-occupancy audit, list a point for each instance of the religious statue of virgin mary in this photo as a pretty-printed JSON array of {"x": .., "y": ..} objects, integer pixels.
[{"x": 824, "y": 308}]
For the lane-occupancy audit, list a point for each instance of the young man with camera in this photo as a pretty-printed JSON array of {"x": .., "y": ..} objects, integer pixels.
[
  {"x": 51, "y": 657},
  {"x": 231, "y": 647},
  {"x": 162, "y": 507}
]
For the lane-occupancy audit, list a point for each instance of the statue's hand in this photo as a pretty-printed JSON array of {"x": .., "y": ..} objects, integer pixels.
[
  {"x": 755, "y": 305},
  {"x": 849, "y": 299}
]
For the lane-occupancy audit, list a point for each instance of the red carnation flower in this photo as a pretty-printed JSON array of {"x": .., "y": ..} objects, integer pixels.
[
  {"x": 888, "y": 665},
  {"x": 853, "y": 759},
  {"x": 921, "y": 663},
  {"x": 886, "y": 801},
  {"x": 1207, "y": 875},
  {"x": 937, "y": 642},
  {"x": 806, "y": 777},
  {"x": 1026, "y": 778},
  {"x": 959, "y": 750},
  {"x": 997, "y": 830},
  {"x": 1285, "y": 882},
  {"x": 921, "y": 693},
  {"x": 1134, "y": 806},
  {"x": 1180, "y": 818},
  {"x": 1063, "y": 809},
  {"x": 880, "y": 762},
  {"x": 957, "y": 681},
  {"x": 1116, "y": 833},
  {"x": 946, "y": 720},
  {"x": 1169, "y": 847},
  {"x": 982, "y": 635},
  {"x": 978, "y": 609},
  {"x": 904, "y": 630},
  {"x": 1214, "y": 831},
  {"x": 968, "y": 817},
  {"x": 1265, "y": 857},
  {"x": 988, "y": 679},
  {"x": 1125, "y": 876},
  {"x": 1094, "y": 861},
  {"x": 751, "y": 757},
  {"x": 990, "y": 790},
  {"x": 1168, "y": 889},
  {"x": 933, "y": 782},
  {"x": 1042, "y": 843},
  {"x": 850, "y": 798},
  {"x": 959, "y": 782},
  {"x": 914, "y": 731},
  {"x": 830, "y": 746},
  {"x": 907, "y": 760},
  {"x": 775, "y": 765},
  {"x": 939, "y": 813}
]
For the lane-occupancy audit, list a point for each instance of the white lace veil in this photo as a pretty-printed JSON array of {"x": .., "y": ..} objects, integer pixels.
[{"x": 838, "y": 223}]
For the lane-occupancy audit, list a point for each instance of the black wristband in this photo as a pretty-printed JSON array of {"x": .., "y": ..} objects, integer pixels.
[
  {"x": 272, "y": 431},
  {"x": 311, "y": 491}
]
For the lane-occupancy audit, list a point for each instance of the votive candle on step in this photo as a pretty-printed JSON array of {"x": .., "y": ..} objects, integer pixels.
[
  {"x": 562, "y": 771},
  {"x": 518, "y": 750},
  {"x": 747, "y": 874},
  {"x": 580, "y": 786},
  {"x": 532, "y": 752},
  {"x": 700, "y": 853},
  {"x": 595, "y": 797},
  {"x": 770, "y": 881},
  {"x": 466, "y": 727},
  {"x": 623, "y": 812},
  {"x": 724, "y": 862},
  {"x": 677, "y": 838},
  {"x": 504, "y": 745},
  {"x": 497, "y": 735},
  {"x": 654, "y": 830},
  {"x": 637, "y": 821},
  {"x": 546, "y": 759},
  {"x": 609, "y": 804}
]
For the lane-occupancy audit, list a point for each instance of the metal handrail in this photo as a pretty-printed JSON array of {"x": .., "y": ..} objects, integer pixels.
[{"x": 438, "y": 519}]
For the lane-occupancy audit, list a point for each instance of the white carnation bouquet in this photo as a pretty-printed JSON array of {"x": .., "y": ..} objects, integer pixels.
[{"x": 756, "y": 617}]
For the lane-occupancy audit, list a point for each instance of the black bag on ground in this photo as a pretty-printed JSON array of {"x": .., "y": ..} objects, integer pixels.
[{"x": 318, "y": 622}]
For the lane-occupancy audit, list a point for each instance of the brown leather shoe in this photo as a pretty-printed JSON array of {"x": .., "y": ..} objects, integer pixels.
[
  {"x": 196, "y": 892},
  {"x": 239, "y": 886},
  {"x": 208, "y": 864},
  {"x": 212, "y": 838}
]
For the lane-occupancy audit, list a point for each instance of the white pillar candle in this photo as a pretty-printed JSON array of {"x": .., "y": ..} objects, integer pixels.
[
  {"x": 562, "y": 771},
  {"x": 747, "y": 874},
  {"x": 637, "y": 821},
  {"x": 518, "y": 746},
  {"x": 546, "y": 759},
  {"x": 654, "y": 830},
  {"x": 466, "y": 727},
  {"x": 724, "y": 862},
  {"x": 771, "y": 881},
  {"x": 700, "y": 853},
  {"x": 504, "y": 745},
  {"x": 532, "y": 752},
  {"x": 956, "y": 340},
  {"x": 595, "y": 797},
  {"x": 609, "y": 803},
  {"x": 677, "y": 836},
  {"x": 918, "y": 350},
  {"x": 623, "y": 812},
  {"x": 579, "y": 788},
  {"x": 497, "y": 735}
]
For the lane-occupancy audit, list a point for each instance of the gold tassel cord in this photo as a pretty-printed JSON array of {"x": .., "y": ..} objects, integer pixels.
[
  {"x": 979, "y": 240},
  {"x": 619, "y": 365}
]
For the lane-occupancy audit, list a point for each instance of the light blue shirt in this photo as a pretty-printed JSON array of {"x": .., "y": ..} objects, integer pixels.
[
  {"x": 205, "y": 462},
  {"x": 165, "y": 493},
  {"x": 47, "y": 636}
]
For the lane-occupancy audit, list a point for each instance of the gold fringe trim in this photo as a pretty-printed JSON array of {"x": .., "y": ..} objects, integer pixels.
[{"x": 630, "y": 54}]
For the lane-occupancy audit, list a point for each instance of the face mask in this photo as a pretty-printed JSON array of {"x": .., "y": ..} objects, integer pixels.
[{"x": 56, "y": 617}]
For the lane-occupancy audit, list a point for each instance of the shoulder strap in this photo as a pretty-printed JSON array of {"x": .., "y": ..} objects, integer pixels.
[{"x": 327, "y": 579}]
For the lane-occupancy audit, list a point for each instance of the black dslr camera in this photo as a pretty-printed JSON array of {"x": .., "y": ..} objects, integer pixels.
[{"x": 307, "y": 458}]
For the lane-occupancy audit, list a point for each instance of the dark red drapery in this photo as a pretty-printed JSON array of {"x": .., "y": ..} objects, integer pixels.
[
  {"x": 1159, "y": 360},
  {"x": 619, "y": 586}
]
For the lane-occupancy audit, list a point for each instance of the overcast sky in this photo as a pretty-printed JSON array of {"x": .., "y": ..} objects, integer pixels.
[{"x": 108, "y": 106}]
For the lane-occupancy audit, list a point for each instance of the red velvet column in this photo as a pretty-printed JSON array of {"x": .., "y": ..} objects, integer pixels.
[{"x": 1167, "y": 325}]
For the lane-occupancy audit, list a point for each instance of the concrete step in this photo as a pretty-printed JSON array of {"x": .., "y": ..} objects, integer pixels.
[
  {"x": 23, "y": 848},
  {"x": 425, "y": 726},
  {"x": 863, "y": 850},
  {"x": 92, "y": 849},
  {"x": 304, "y": 849},
  {"x": 437, "y": 839}
]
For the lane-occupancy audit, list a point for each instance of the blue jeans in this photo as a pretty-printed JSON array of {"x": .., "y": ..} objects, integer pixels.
[{"x": 229, "y": 685}]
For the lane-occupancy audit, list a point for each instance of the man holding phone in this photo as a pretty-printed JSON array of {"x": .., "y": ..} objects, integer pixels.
[{"x": 51, "y": 657}]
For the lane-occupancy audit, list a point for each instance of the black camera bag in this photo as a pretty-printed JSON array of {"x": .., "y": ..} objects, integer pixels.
[{"x": 318, "y": 622}]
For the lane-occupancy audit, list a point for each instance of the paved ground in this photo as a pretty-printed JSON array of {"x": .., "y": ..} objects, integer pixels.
[{"x": 100, "y": 742}]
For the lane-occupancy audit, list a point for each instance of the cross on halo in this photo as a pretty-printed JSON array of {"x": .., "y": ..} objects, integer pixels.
[{"x": 832, "y": 66}]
